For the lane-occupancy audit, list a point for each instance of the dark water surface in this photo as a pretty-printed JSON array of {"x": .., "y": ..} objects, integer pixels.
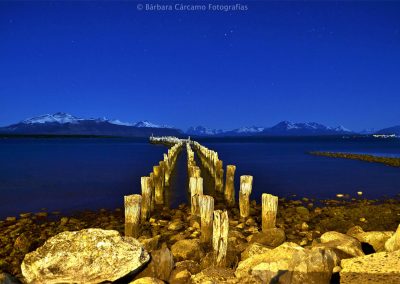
[{"x": 76, "y": 174}]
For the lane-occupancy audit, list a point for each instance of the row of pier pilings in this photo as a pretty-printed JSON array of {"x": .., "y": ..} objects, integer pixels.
[
  {"x": 138, "y": 207},
  {"x": 214, "y": 224}
]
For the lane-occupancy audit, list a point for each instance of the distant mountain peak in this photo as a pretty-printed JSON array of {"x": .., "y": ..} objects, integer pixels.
[{"x": 58, "y": 117}]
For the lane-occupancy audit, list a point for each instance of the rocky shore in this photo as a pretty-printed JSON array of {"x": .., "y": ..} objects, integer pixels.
[{"x": 325, "y": 238}]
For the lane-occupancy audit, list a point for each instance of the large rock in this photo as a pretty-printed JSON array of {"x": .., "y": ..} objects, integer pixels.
[
  {"x": 310, "y": 266},
  {"x": 344, "y": 245},
  {"x": 393, "y": 243},
  {"x": 264, "y": 267},
  {"x": 186, "y": 250},
  {"x": 215, "y": 275},
  {"x": 147, "y": 280},
  {"x": 160, "y": 266},
  {"x": 376, "y": 239},
  {"x": 86, "y": 256},
  {"x": 254, "y": 249},
  {"x": 382, "y": 267},
  {"x": 271, "y": 237}
]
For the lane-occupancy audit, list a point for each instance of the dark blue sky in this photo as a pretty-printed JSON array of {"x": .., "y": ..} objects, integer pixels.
[{"x": 330, "y": 62}]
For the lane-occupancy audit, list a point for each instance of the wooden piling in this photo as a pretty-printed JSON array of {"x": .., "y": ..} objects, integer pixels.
[
  {"x": 269, "y": 210},
  {"x": 153, "y": 194},
  {"x": 219, "y": 176},
  {"x": 230, "y": 185},
  {"x": 146, "y": 198},
  {"x": 206, "y": 204},
  {"x": 220, "y": 237},
  {"x": 196, "y": 190},
  {"x": 246, "y": 184},
  {"x": 132, "y": 214},
  {"x": 159, "y": 190}
]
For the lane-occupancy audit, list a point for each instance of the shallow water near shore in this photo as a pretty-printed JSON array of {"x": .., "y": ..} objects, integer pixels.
[{"x": 69, "y": 175}]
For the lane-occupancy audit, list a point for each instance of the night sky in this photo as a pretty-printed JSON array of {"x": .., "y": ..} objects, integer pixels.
[{"x": 337, "y": 63}]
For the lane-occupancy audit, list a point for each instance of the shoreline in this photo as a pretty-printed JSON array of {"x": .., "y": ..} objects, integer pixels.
[{"x": 301, "y": 219}]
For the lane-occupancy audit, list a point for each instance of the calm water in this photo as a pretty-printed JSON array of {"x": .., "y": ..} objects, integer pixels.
[{"x": 76, "y": 174}]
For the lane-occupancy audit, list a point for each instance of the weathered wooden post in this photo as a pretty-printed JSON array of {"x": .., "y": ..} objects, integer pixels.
[
  {"x": 162, "y": 173},
  {"x": 146, "y": 198},
  {"x": 132, "y": 214},
  {"x": 219, "y": 176},
  {"x": 159, "y": 190},
  {"x": 196, "y": 190},
  {"x": 206, "y": 203},
  {"x": 269, "y": 210},
  {"x": 246, "y": 184},
  {"x": 220, "y": 236},
  {"x": 167, "y": 169},
  {"x": 230, "y": 185},
  {"x": 153, "y": 194}
]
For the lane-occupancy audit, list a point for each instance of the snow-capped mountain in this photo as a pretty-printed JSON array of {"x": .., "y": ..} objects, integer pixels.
[
  {"x": 67, "y": 124},
  {"x": 58, "y": 117},
  {"x": 284, "y": 128},
  {"x": 304, "y": 128},
  {"x": 251, "y": 129},
  {"x": 203, "y": 131}
]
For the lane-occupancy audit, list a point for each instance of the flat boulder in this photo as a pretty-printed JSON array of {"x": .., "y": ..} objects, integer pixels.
[
  {"x": 312, "y": 266},
  {"x": 266, "y": 266},
  {"x": 381, "y": 267},
  {"x": 344, "y": 245},
  {"x": 86, "y": 256},
  {"x": 376, "y": 239},
  {"x": 147, "y": 280}
]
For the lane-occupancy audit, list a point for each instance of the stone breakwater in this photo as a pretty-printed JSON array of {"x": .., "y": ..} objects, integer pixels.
[
  {"x": 394, "y": 162},
  {"x": 214, "y": 238}
]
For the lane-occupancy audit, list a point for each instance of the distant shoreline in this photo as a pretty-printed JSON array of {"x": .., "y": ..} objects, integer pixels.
[{"x": 393, "y": 162}]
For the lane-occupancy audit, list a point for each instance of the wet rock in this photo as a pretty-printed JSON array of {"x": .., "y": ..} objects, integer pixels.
[
  {"x": 23, "y": 243},
  {"x": 302, "y": 211},
  {"x": 160, "y": 265},
  {"x": 86, "y": 256},
  {"x": 376, "y": 239},
  {"x": 214, "y": 275},
  {"x": 147, "y": 280},
  {"x": 180, "y": 277},
  {"x": 150, "y": 244},
  {"x": 186, "y": 250},
  {"x": 254, "y": 249},
  {"x": 266, "y": 266},
  {"x": 382, "y": 267},
  {"x": 344, "y": 245},
  {"x": 393, "y": 243},
  {"x": 175, "y": 225},
  {"x": 271, "y": 237}
]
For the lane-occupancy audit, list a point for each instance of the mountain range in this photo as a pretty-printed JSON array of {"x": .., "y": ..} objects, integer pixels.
[{"x": 61, "y": 123}]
